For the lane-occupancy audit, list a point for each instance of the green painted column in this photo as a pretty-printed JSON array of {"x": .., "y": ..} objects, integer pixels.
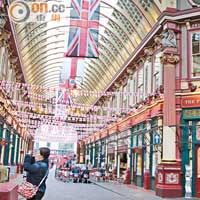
[
  {"x": 91, "y": 153},
  {"x": 131, "y": 156},
  {"x": 136, "y": 156},
  {"x": 13, "y": 148},
  {"x": 184, "y": 150},
  {"x": 18, "y": 149},
  {"x": 151, "y": 159},
  {"x": 194, "y": 160},
  {"x": 100, "y": 153},
  {"x": 7, "y": 147},
  {"x": 143, "y": 154},
  {"x": 96, "y": 150}
]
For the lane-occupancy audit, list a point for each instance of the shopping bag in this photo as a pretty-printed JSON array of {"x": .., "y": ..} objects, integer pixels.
[{"x": 27, "y": 190}]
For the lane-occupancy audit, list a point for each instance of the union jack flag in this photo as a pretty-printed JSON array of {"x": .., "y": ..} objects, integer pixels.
[{"x": 84, "y": 29}]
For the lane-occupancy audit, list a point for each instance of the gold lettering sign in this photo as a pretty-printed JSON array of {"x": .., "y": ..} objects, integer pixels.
[{"x": 192, "y": 113}]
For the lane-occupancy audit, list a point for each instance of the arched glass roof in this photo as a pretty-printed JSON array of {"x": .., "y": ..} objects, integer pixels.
[{"x": 123, "y": 25}]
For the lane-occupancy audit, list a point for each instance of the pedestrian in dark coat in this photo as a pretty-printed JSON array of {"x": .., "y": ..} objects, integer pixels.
[{"x": 37, "y": 170}]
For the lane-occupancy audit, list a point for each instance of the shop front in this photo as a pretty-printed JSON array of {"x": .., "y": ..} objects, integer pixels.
[
  {"x": 111, "y": 145},
  {"x": 138, "y": 155},
  {"x": 123, "y": 140},
  {"x": 155, "y": 149},
  {"x": 190, "y": 143}
]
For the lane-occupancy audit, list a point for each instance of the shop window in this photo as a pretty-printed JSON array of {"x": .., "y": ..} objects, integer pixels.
[
  {"x": 157, "y": 72},
  {"x": 133, "y": 89},
  {"x": 155, "y": 163},
  {"x": 195, "y": 69},
  {"x": 140, "y": 139},
  {"x": 139, "y": 164},
  {"x": 128, "y": 89},
  {"x": 134, "y": 140}
]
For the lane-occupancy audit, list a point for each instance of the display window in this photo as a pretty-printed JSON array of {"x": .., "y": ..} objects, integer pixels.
[
  {"x": 139, "y": 164},
  {"x": 195, "y": 69}
]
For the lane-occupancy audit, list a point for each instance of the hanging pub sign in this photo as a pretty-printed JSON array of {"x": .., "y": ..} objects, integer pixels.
[{"x": 156, "y": 138}]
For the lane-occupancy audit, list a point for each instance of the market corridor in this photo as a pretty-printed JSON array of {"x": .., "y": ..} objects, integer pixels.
[{"x": 57, "y": 190}]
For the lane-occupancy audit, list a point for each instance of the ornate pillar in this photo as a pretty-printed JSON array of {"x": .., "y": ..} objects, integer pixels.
[{"x": 169, "y": 171}]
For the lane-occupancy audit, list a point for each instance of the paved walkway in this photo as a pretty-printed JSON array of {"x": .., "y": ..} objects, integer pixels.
[{"x": 57, "y": 190}]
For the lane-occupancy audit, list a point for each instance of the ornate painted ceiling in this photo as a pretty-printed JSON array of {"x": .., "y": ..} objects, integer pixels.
[{"x": 123, "y": 25}]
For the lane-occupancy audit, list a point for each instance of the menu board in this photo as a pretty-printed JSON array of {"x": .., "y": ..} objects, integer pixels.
[{"x": 4, "y": 174}]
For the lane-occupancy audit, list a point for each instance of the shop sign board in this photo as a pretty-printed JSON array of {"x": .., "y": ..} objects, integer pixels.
[{"x": 189, "y": 102}]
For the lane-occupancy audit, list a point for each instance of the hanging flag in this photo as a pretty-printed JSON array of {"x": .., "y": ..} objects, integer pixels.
[
  {"x": 62, "y": 91},
  {"x": 84, "y": 29}
]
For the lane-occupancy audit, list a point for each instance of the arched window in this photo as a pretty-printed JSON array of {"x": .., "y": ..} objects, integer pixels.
[
  {"x": 141, "y": 84},
  {"x": 195, "y": 68},
  {"x": 147, "y": 78},
  {"x": 157, "y": 72}
]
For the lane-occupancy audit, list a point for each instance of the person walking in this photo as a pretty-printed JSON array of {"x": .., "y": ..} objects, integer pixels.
[{"x": 37, "y": 171}]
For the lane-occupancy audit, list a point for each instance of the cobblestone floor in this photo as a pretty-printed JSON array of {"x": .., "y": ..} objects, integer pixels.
[{"x": 57, "y": 190}]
